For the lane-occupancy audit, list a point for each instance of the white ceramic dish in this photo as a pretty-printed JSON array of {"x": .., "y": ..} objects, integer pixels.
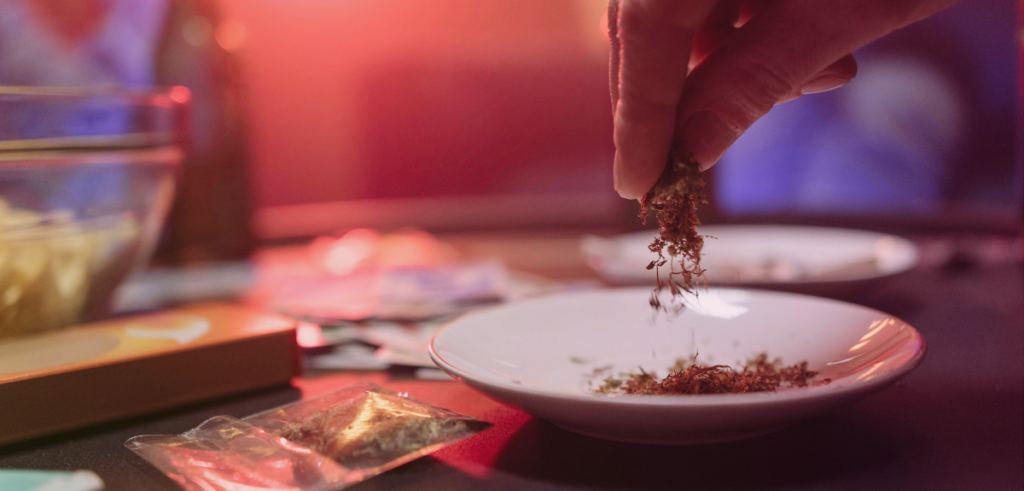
[
  {"x": 539, "y": 355},
  {"x": 773, "y": 256}
]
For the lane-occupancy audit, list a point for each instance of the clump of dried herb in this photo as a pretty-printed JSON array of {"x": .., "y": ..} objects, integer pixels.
[
  {"x": 674, "y": 200},
  {"x": 376, "y": 429},
  {"x": 687, "y": 377}
]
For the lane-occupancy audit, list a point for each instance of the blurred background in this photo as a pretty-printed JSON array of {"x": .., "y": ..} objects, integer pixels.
[
  {"x": 321, "y": 116},
  {"x": 375, "y": 168}
]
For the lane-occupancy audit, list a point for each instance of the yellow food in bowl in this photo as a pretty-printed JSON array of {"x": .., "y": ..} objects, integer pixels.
[{"x": 56, "y": 271}]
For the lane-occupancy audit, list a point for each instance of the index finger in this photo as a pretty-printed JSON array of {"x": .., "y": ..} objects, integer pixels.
[{"x": 653, "y": 44}]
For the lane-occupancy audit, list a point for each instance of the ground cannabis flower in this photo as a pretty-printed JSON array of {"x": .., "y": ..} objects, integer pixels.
[
  {"x": 687, "y": 377},
  {"x": 372, "y": 430},
  {"x": 674, "y": 200}
]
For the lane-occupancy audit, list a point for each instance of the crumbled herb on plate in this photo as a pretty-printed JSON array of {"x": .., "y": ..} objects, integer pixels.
[{"x": 687, "y": 377}]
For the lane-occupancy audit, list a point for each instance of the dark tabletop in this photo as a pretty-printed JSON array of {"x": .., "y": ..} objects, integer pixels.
[{"x": 957, "y": 422}]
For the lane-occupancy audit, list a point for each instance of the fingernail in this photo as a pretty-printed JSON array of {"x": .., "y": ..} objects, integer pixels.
[
  {"x": 823, "y": 83},
  {"x": 708, "y": 137}
]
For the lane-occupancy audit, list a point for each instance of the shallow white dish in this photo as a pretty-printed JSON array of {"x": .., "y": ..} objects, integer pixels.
[
  {"x": 777, "y": 256},
  {"x": 539, "y": 355}
]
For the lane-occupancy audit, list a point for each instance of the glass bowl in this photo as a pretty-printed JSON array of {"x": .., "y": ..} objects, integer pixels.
[{"x": 87, "y": 176}]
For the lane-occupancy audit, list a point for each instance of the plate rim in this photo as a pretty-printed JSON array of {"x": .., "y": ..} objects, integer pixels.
[
  {"x": 913, "y": 263},
  {"x": 688, "y": 400}
]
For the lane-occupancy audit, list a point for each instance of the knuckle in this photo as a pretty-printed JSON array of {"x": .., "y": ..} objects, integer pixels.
[
  {"x": 898, "y": 12},
  {"x": 636, "y": 15},
  {"x": 759, "y": 87},
  {"x": 632, "y": 16}
]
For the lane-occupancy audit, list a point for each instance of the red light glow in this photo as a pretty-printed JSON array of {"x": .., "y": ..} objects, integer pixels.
[
  {"x": 179, "y": 94},
  {"x": 353, "y": 249},
  {"x": 415, "y": 248},
  {"x": 309, "y": 335},
  {"x": 230, "y": 35}
]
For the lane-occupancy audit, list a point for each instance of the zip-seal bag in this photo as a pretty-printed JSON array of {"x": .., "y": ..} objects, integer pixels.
[{"x": 321, "y": 444}]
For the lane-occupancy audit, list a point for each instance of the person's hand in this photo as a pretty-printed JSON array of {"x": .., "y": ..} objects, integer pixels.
[{"x": 781, "y": 50}]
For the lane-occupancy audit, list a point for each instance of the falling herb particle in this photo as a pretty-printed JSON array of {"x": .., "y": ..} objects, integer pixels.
[{"x": 674, "y": 200}]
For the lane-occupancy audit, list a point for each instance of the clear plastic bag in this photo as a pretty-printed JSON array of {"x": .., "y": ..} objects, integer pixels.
[{"x": 320, "y": 444}]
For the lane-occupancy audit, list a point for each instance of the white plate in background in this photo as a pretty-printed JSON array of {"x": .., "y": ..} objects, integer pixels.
[
  {"x": 764, "y": 256},
  {"x": 540, "y": 355}
]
